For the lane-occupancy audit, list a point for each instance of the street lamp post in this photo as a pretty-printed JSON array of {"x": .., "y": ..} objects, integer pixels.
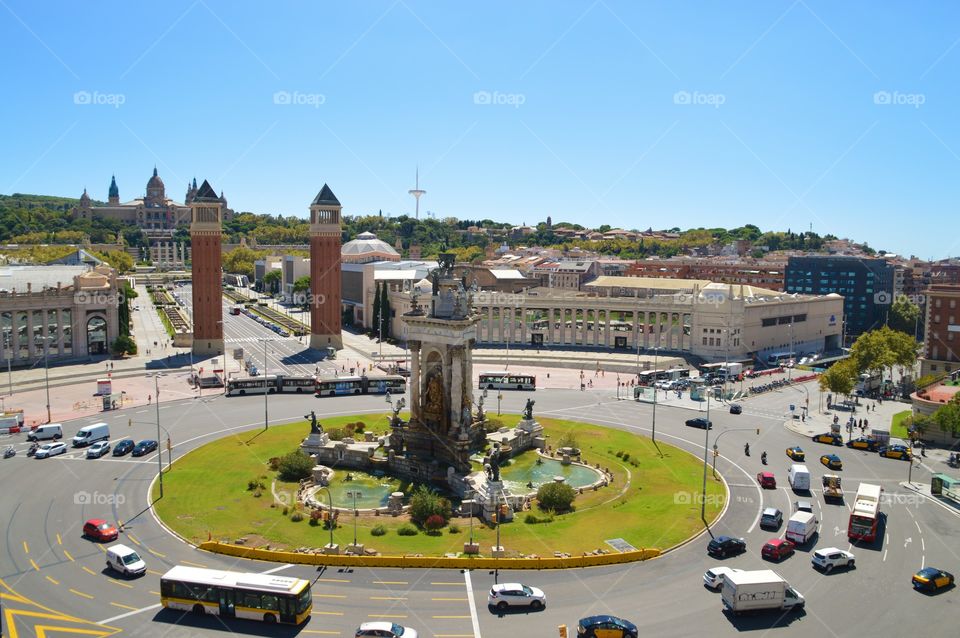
[
  {"x": 499, "y": 398},
  {"x": 706, "y": 445},
  {"x": 9, "y": 354},
  {"x": 653, "y": 425},
  {"x": 716, "y": 450},
  {"x": 156, "y": 389},
  {"x": 266, "y": 386},
  {"x": 355, "y": 494},
  {"x": 46, "y": 374},
  {"x": 330, "y": 519}
]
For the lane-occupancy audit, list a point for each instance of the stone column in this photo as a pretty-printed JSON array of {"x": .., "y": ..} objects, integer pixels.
[
  {"x": 414, "y": 379},
  {"x": 60, "y": 330},
  {"x": 549, "y": 314},
  {"x": 31, "y": 350},
  {"x": 456, "y": 387}
]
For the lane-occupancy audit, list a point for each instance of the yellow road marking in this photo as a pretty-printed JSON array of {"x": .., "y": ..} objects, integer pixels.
[
  {"x": 332, "y": 580},
  {"x": 127, "y": 607},
  {"x": 134, "y": 539},
  {"x": 32, "y": 562},
  {"x": 67, "y": 554},
  {"x": 59, "y": 540},
  {"x": 456, "y": 599},
  {"x": 388, "y": 598},
  {"x": 449, "y": 616},
  {"x": 330, "y": 595},
  {"x": 88, "y": 570},
  {"x": 398, "y": 616},
  {"x": 390, "y": 582},
  {"x": 117, "y": 582},
  {"x": 80, "y": 593},
  {"x": 54, "y": 581},
  {"x": 26, "y": 548},
  {"x": 156, "y": 553},
  {"x": 154, "y": 572},
  {"x": 327, "y": 613},
  {"x": 8, "y": 593},
  {"x": 186, "y": 562},
  {"x": 155, "y": 593},
  {"x": 102, "y": 548}
]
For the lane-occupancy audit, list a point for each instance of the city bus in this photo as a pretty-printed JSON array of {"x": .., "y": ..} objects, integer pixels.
[
  {"x": 251, "y": 385},
  {"x": 298, "y": 384},
  {"x": 780, "y": 358},
  {"x": 507, "y": 381},
  {"x": 393, "y": 383},
  {"x": 339, "y": 386},
  {"x": 267, "y": 597},
  {"x": 677, "y": 373},
  {"x": 647, "y": 377},
  {"x": 866, "y": 513}
]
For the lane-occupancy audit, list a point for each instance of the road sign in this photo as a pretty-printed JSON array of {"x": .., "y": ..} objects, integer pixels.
[{"x": 238, "y": 354}]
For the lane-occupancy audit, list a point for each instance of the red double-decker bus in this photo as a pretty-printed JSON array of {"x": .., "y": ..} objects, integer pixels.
[{"x": 866, "y": 513}]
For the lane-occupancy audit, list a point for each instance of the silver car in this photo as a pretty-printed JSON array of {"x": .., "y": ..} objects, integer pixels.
[
  {"x": 98, "y": 449},
  {"x": 50, "y": 449}
]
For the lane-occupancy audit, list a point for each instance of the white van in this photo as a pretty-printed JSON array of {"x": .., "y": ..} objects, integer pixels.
[
  {"x": 90, "y": 434},
  {"x": 50, "y": 431},
  {"x": 799, "y": 477},
  {"x": 124, "y": 560},
  {"x": 801, "y": 527}
]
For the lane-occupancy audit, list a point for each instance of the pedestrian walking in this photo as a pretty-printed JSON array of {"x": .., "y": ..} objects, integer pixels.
[{"x": 149, "y": 399}]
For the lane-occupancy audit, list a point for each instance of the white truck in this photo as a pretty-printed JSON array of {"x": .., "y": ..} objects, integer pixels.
[
  {"x": 760, "y": 590},
  {"x": 801, "y": 527},
  {"x": 868, "y": 382},
  {"x": 799, "y": 477}
]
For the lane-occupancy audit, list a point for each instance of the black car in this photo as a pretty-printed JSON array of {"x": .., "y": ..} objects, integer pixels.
[
  {"x": 123, "y": 447},
  {"x": 699, "y": 422},
  {"x": 724, "y": 546},
  {"x": 603, "y": 626},
  {"x": 144, "y": 447},
  {"x": 736, "y": 408}
]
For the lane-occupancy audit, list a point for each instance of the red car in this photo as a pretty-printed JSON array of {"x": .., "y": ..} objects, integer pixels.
[
  {"x": 100, "y": 530},
  {"x": 777, "y": 549},
  {"x": 767, "y": 480}
]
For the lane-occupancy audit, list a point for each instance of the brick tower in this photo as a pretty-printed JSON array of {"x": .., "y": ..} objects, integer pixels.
[
  {"x": 205, "y": 230},
  {"x": 325, "y": 270}
]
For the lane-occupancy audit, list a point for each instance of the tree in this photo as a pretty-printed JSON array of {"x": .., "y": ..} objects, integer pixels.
[
  {"x": 301, "y": 287},
  {"x": 123, "y": 308},
  {"x": 904, "y": 315},
  {"x": 124, "y": 344},
  {"x": 424, "y": 503},
  {"x": 272, "y": 281},
  {"x": 555, "y": 497},
  {"x": 295, "y": 466},
  {"x": 385, "y": 310},
  {"x": 840, "y": 377},
  {"x": 872, "y": 352},
  {"x": 119, "y": 259},
  {"x": 377, "y": 305}
]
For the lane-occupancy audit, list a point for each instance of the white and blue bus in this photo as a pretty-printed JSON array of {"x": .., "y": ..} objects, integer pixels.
[
  {"x": 780, "y": 358},
  {"x": 507, "y": 381},
  {"x": 338, "y": 386}
]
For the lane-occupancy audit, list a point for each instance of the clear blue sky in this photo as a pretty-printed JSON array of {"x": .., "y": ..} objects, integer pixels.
[{"x": 784, "y": 114}]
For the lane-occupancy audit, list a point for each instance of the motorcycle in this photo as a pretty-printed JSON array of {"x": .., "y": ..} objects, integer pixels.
[
  {"x": 746, "y": 449},
  {"x": 9, "y": 451},
  {"x": 33, "y": 449},
  {"x": 763, "y": 458}
]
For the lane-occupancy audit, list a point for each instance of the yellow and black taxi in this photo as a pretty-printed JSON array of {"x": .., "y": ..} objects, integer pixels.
[
  {"x": 828, "y": 437},
  {"x": 832, "y": 461},
  {"x": 895, "y": 452},
  {"x": 863, "y": 443},
  {"x": 932, "y": 579},
  {"x": 796, "y": 453},
  {"x": 606, "y": 627}
]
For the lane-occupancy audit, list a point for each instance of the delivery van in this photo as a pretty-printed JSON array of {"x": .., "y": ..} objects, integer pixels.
[
  {"x": 801, "y": 527},
  {"x": 90, "y": 434},
  {"x": 799, "y": 478},
  {"x": 48, "y": 432},
  {"x": 124, "y": 560}
]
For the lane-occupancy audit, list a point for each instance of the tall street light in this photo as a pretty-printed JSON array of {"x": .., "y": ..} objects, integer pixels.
[
  {"x": 266, "y": 385},
  {"x": 706, "y": 446},
  {"x": 8, "y": 343},
  {"x": 156, "y": 389},
  {"x": 653, "y": 429},
  {"x": 355, "y": 494},
  {"x": 330, "y": 519}
]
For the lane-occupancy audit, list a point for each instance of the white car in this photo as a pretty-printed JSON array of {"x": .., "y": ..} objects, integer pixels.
[
  {"x": 50, "y": 449},
  {"x": 98, "y": 449},
  {"x": 713, "y": 577},
  {"x": 384, "y": 630},
  {"x": 505, "y": 595},
  {"x": 830, "y": 557}
]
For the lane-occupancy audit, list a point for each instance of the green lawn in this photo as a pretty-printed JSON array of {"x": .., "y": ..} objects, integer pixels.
[
  {"x": 898, "y": 428},
  {"x": 651, "y": 503}
]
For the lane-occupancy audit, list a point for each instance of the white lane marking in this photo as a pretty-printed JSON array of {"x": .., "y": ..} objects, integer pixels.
[
  {"x": 911, "y": 514},
  {"x": 107, "y": 621},
  {"x": 885, "y": 554},
  {"x": 923, "y": 561},
  {"x": 277, "y": 569},
  {"x": 915, "y": 522},
  {"x": 923, "y": 545},
  {"x": 473, "y": 605}
]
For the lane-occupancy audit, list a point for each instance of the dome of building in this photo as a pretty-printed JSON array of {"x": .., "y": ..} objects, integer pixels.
[
  {"x": 366, "y": 247},
  {"x": 155, "y": 181}
]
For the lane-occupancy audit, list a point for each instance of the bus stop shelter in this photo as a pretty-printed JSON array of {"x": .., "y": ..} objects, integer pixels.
[{"x": 946, "y": 486}]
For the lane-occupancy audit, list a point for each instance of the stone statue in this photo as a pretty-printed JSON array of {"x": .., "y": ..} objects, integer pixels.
[
  {"x": 528, "y": 410},
  {"x": 433, "y": 405},
  {"x": 315, "y": 428},
  {"x": 481, "y": 416},
  {"x": 415, "y": 308},
  {"x": 494, "y": 465},
  {"x": 395, "y": 420}
]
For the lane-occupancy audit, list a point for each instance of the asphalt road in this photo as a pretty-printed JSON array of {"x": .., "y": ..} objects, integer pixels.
[{"x": 59, "y": 578}]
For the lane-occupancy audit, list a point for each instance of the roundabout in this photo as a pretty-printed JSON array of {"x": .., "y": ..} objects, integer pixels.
[{"x": 52, "y": 576}]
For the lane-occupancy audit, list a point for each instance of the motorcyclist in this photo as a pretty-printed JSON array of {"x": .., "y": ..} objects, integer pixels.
[
  {"x": 763, "y": 457},
  {"x": 746, "y": 449}
]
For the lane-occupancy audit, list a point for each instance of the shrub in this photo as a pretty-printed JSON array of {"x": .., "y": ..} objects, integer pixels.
[
  {"x": 434, "y": 522},
  {"x": 256, "y": 484},
  {"x": 378, "y": 530},
  {"x": 555, "y": 497},
  {"x": 424, "y": 503},
  {"x": 533, "y": 519},
  {"x": 619, "y": 453},
  {"x": 274, "y": 463},
  {"x": 407, "y": 530},
  {"x": 336, "y": 434},
  {"x": 568, "y": 440},
  {"x": 257, "y": 493},
  {"x": 359, "y": 427},
  {"x": 315, "y": 516},
  {"x": 492, "y": 425},
  {"x": 296, "y": 517},
  {"x": 626, "y": 457},
  {"x": 295, "y": 466},
  {"x": 454, "y": 528},
  {"x": 286, "y": 510}
]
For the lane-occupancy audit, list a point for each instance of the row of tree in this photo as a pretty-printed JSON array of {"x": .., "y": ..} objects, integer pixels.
[{"x": 874, "y": 352}]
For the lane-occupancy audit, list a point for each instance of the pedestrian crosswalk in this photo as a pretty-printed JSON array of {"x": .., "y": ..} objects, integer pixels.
[{"x": 248, "y": 339}]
